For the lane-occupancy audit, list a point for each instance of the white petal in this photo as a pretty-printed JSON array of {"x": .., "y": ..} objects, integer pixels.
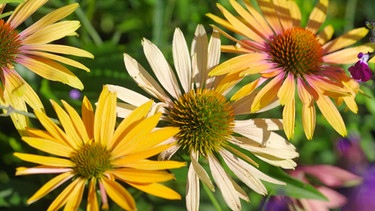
[
  {"x": 167, "y": 154},
  {"x": 192, "y": 190},
  {"x": 225, "y": 185},
  {"x": 144, "y": 79},
  {"x": 181, "y": 60},
  {"x": 161, "y": 68}
]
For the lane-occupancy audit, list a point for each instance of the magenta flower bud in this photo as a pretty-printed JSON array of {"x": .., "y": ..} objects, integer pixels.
[{"x": 361, "y": 71}]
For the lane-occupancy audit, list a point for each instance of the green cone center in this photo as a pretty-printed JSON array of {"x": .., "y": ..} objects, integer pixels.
[
  {"x": 9, "y": 44},
  {"x": 205, "y": 119},
  {"x": 91, "y": 160},
  {"x": 297, "y": 51}
]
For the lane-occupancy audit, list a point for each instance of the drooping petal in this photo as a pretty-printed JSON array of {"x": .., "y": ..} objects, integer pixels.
[
  {"x": 224, "y": 183},
  {"x": 192, "y": 190},
  {"x": 306, "y": 95},
  {"x": 200, "y": 171},
  {"x": 92, "y": 199}
]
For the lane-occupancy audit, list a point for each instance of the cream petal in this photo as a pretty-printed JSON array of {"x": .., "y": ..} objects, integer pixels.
[
  {"x": 128, "y": 95},
  {"x": 245, "y": 175},
  {"x": 269, "y": 13},
  {"x": 225, "y": 185},
  {"x": 161, "y": 68},
  {"x": 259, "y": 123},
  {"x": 181, "y": 60},
  {"x": 144, "y": 79},
  {"x": 214, "y": 50},
  {"x": 192, "y": 190}
]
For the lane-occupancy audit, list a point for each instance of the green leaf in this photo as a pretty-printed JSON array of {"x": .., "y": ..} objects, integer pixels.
[{"x": 294, "y": 188}]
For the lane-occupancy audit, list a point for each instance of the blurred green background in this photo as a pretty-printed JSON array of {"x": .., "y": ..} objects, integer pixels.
[{"x": 112, "y": 27}]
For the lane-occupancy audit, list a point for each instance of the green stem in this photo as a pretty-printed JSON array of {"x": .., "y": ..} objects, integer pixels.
[{"x": 212, "y": 198}]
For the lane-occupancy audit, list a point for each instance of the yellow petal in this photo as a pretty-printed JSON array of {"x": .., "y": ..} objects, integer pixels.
[
  {"x": 158, "y": 190},
  {"x": 331, "y": 114},
  {"x": 153, "y": 139},
  {"x": 23, "y": 11},
  {"x": 44, "y": 160},
  {"x": 139, "y": 131},
  {"x": 289, "y": 113},
  {"x": 129, "y": 158},
  {"x": 60, "y": 49},
  {"x": 295, "y": 13},
  {"x": 269, "y": 13},
  {"x": 118, "y": 194},
  {"x": 284, "y": 14},
  {"x": 75, "y": 195},
  {"x": 68, "y": 193},
  {"x": 68, "y": 125},
  {"x": 308, "y": 109},
  {"x": 152, "y": 165},
  {"x": 77, "y": 122},
  {"x": 61, "y": 59},
  {"x": 51, "y": 70},
  {"x": 267, "y": 94},
  {"x": 257, "y": 25},
  {"x": 88, "y": 116},
  {"x": 245, "y": 90},
  {"x": 317, "y": 16},
  {"x": 141, "y": 176},
  {"x": 92, "y": 201},
  {"x": 105, "y": 117},
  {"x": 53, "y": 129},
  {"x": 238, "y": 64},
  {"x": 326, "y": 34},
  {"x": 287, "y": 90},
  {"x": 125, "y": 126},
  {"x": 52, "y": 32},
  {"x": 50, "y": 186},
  {"x": 347, "y": 55},
  {"x": 49, "y": 146},
  {"x": 345, "y": 40},
  {"x": 50, "y": 18}
]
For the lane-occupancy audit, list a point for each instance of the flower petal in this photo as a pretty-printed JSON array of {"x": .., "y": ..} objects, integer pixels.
[
  {"x": 161, "y": 68},
  {"x": 158, "y": 190},
  {"x": 49, "y": 146},
  {"x": 68, "y": 194},
  {"x": 153, "y": 165},
  {"x": 60, "y": 49},
  {"x": 50, "y": 186},
  {"x": 181, "y": 60},
  {"x": 317, "y": 16},
  {"x": 141, "y": 176},
  {"x": 192, "y": 190},
  {"x": 23, "y": 11},
  {"x": 267, "y": 94},
  {"x": 44, "y": 160},
  {"x": 119, "y": 194},
  {"x": 345, "y": 40}
]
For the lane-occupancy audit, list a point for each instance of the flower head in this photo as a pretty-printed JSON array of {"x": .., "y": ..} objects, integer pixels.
[
  {"x": 361, "y": 71},
  {"x": 31, "y": 48},
  {"x": 208, "y": 121},
  {"x": 289, "y": 58},
  {"x": 90, "y": 150}
]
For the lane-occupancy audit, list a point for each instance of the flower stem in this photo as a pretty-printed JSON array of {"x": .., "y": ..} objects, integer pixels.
[{"x": 212, "y": 198}]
